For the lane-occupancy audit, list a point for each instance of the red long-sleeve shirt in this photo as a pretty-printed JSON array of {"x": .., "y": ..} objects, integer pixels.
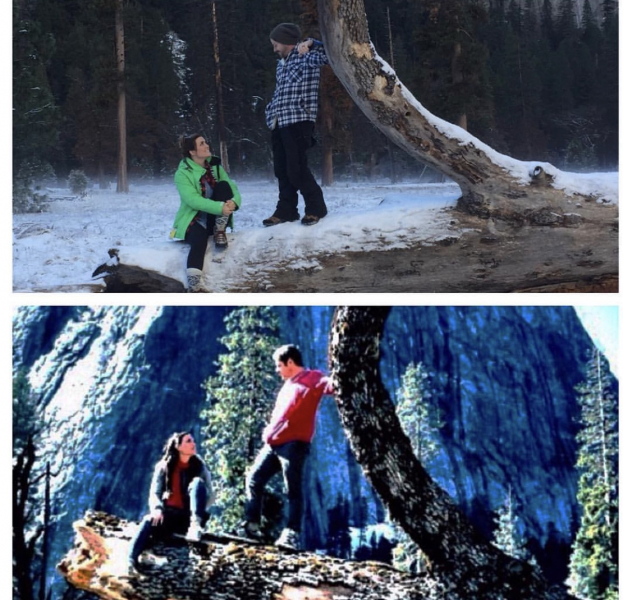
[{"x": 294, "y": 414}]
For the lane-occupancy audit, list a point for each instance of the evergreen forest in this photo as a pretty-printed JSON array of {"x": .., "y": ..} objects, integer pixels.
[{"x": 537, "y": 80}]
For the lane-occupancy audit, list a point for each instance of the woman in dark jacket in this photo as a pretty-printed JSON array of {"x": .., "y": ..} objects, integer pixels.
[{"x": 179, "y": 496}]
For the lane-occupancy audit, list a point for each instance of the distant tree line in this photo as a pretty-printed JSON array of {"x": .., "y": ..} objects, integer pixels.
[{"x": 536, "y": 80}]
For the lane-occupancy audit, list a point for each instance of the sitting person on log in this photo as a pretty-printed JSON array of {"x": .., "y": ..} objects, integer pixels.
[
  {"x": 208, "y": 197},
  {"x": 179, "y": 497}
]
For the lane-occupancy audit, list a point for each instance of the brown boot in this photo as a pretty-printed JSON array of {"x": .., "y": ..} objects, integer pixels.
[
  {"x": 275, "y": 221},
  {"x": 220, "y": 239}
]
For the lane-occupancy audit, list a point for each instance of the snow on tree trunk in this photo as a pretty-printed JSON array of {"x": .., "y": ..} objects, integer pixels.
[
  {"x": 458, "y": 555},
  {"x": 492, "y": 184}
]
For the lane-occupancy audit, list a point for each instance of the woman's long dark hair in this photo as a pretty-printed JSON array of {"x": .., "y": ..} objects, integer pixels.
[{"x": 171, "y": 456}]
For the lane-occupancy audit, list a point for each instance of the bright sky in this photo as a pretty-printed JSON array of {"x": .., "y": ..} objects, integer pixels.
[{"x": 602, "y": 324}]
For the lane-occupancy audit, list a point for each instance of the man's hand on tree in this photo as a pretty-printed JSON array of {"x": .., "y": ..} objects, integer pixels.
[{"x": 305, "y": 46}]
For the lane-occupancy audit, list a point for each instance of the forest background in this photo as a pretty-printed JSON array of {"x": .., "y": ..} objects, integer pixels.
[{"x": 536, "y": 79}]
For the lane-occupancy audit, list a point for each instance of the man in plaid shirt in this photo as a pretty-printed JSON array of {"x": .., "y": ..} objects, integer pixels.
[{"x": 291, "y": 115}]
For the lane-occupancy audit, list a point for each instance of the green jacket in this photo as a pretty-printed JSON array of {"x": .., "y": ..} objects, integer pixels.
[{"x": 186, "y": 180}]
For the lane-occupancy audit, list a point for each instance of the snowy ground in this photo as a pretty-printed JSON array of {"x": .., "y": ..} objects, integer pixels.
[{"x": 58, "y": 250}]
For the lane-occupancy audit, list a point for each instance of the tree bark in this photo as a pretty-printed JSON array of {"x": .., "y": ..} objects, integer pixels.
[
  {"x": 326, "y": 124},
  {"x": 23, "y": 548},
  {"x": 122, "y": 174},
  {"x": 492, "y": 185},
  {"x": 222, "y": 130},
  {"x": 459, "y": 557}
]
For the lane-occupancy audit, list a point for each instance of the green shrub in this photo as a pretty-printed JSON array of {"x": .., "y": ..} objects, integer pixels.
[
  {"x": 78, "y": 182},
  {"x": 27, "y": 194}
]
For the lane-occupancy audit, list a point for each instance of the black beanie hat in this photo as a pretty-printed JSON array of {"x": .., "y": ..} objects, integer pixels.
[{"x": 286, "y": 33}]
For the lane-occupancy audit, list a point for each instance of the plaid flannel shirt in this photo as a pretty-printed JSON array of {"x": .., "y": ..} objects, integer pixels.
[{"x": 296, "y": 93}]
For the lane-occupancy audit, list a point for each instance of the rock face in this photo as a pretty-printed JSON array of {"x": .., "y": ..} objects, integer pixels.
[
  {"x": 504, "y": 379},
  {"x": 121, "y": 379}
]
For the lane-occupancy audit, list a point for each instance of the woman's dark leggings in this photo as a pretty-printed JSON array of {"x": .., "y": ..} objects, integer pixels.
[
  {"x": 197, "y": 236},
  {"x": 175, "y": 520}
]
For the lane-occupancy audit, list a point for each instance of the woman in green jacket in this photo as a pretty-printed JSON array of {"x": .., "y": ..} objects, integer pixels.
[{"x": 208, "y": 197}]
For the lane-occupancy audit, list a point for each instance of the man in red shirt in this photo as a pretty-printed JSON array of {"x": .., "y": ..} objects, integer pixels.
[{"x": 287, "y": 439}]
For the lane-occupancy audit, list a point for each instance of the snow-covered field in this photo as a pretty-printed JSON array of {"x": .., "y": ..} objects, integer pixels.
[{"x": 58, "y": 250}]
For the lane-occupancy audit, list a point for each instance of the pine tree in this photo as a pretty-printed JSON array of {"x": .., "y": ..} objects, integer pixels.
[
  {"x": 566, "y": 21},
  {"x": 506, "y": 535},
  {"x": 28, "y": 530},
  {"x": 547, "y": 22},
  {"x": 608, "y": 85},
  {"x": 415, "y": 414},
  {"x": 239, "y": 400},
  {"x": 452, "y": 73},
  {"x": 35, "y": 113},
  {"x": 594, "y": 561},
  {"x": 420, "y": 424}
]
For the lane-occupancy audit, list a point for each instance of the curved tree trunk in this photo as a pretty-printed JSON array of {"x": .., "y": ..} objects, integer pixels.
[
  {"x": 493, "y": 185},
  {"x": 460, "y": 558}
]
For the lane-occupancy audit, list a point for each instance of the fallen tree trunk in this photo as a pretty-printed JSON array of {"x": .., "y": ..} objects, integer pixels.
[
  {"x": 474, "y": 256},
  {"x": 459, "y": 557},
  {"x": 531, "y": 259},
  {"x": 213, "y": 571}
]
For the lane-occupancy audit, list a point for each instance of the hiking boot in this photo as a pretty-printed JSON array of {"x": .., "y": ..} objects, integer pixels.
[
  {"x": 220, "y": 239},
  {"x": 195, "y": 531},
  {"x": 310, "y": 220},
  {"x": 195, "y": 281},
  {"x": 249, "y": 530},
  {"x": 276, "y": 221},
  {"x": 288, "y": 539}
]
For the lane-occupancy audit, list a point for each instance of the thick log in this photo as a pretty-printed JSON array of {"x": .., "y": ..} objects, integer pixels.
[
  {"x": 232, "y": 571},
  {"x": 475, "y": 256},
  {"x": 459, "y": 557},
  {"x": 493, "y": 185},
  {"x": 530, "y": 259}
]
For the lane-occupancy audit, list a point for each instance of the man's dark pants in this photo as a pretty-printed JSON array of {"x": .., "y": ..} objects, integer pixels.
[
  {"x": 289, "y": 458},
  {"x": 290, "y": 145}
]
